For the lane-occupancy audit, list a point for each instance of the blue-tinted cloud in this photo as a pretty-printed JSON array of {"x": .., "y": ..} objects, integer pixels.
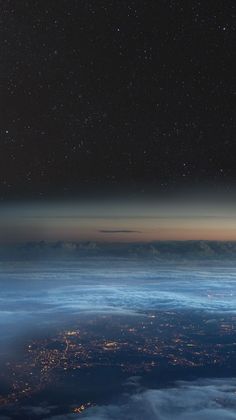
[
  {"x": 31, "y": 294},
  {"x": 209, "y": 399}
]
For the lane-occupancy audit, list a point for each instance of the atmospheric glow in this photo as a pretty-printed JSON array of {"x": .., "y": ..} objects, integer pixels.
[{"x": 113, "y": 221}]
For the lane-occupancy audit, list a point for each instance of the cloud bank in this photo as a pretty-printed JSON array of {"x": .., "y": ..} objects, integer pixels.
[
  {"x": 209, "y": 399},
  {"x": 157, "y": 251}
]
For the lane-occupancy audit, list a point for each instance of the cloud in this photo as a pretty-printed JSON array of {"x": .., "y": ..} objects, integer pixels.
[
  {"x": 165, "y": 251},
  {"x": 41, "y": 410},
  {"x": 209, "y": 399},
  {"x": 119, "y": 231},
  {"x": 25, "y": 412},
  {"x": 99, "y": 286}
]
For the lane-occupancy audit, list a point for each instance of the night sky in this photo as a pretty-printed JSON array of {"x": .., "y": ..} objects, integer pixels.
[{"x": 108, "y": 96}]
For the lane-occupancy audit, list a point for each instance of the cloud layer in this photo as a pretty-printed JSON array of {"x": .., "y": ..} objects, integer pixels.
[
  {"x": 158, "y": 250},
  {"x": 111, "y": 286},
  {"x": 205, "y": 399},
  {"x": 210, "y": 399}
]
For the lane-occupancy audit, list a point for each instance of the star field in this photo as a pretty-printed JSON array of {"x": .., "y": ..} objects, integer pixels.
[{"x": 115, "y": 94}]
